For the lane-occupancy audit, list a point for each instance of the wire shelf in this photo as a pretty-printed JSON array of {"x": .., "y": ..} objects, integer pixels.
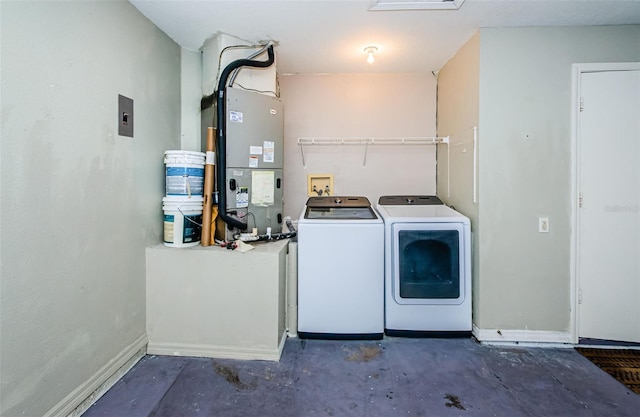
[
  {"x": 366, "y": 141},
  {"x": 433, "y": 140}
]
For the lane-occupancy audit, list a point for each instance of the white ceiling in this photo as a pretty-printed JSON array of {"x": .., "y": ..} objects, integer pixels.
[{"x": 329, "y": 36}]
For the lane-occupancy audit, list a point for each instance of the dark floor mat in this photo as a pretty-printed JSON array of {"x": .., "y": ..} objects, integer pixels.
[{"x": 622, "y": 364}]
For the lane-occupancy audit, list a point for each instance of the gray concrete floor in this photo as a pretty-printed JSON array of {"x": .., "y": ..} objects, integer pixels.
[{"x": 390, "y": 377}]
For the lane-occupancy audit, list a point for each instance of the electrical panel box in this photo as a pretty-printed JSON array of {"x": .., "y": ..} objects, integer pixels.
[
  {"x": 125, "y": 116},
  {"x": 254, "y": 160}
]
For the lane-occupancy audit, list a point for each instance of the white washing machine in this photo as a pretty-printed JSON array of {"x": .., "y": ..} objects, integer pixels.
[
  {"x": 340, "y": 269},
  {"x": 427, "y": 267}
]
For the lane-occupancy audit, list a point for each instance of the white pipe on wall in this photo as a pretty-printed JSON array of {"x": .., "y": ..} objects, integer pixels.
[
  {"x": 475, "y": 164},
  {"x": 292, "y": 289}
]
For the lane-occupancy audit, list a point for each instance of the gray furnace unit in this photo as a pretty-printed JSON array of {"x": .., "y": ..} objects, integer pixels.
[{"x": 254, "y": 160}]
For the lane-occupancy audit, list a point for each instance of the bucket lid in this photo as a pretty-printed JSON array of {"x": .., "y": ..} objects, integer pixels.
[
  {"x": 197, "y": 158},
  {"x": 183, "y": 162},
  {"x": 184, "y": 154}
]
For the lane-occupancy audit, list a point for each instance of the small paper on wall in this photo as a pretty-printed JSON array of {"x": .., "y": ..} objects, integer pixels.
[
  {"x": 269, "y": 151},
  {"x": 242, "y": 197},
  {"x": 262, "y": 185},
  {"x": 235, "y": 116}
]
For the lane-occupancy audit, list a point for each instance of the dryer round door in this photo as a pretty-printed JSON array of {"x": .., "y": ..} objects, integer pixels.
[{"x": 428, "y": 263}]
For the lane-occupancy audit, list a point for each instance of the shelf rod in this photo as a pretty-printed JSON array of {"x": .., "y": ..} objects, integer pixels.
[
  {"x": 366, "y": 141},
  {"x": 373, "y": 141}
]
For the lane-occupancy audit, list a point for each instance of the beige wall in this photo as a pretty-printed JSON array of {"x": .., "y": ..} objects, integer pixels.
[
  {"x": 190, "y": 95},
  {"x": 525, "y": 167},
  {"x": 525, "y": 90},
  {"x": 359, "y": 105},
  {"x": 458, "y": 101},
  {"x": 79, "y": 203}
]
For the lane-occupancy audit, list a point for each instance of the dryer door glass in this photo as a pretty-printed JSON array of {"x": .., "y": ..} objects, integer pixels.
[{"x": 429, "y": 264}]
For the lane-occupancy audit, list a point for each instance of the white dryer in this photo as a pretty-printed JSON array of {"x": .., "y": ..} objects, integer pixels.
[
  {"x": 340, "y": 269},
  {"x": 427, "y": 267}
]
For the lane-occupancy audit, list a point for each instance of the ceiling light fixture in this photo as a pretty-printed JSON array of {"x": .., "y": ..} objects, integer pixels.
[
  {"x": 370, "y": 50},
  {"x": 417, "y": 5}
]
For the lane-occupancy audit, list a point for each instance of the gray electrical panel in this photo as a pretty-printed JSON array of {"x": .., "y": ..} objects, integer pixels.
[{"x": 254, "y": 159}]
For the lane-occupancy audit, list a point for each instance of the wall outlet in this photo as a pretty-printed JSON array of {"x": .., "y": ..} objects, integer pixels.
[
  {"x": 543, "y": 224},
  {"x": 319, "y": 185}
]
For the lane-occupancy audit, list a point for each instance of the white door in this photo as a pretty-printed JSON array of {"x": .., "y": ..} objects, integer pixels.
[{"x": 608, "y": 244}]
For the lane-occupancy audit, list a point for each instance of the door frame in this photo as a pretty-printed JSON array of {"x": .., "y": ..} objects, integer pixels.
[{"x": 576, "y": 73}]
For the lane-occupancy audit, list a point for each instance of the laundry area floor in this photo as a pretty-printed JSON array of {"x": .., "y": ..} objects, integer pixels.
[{"x": 389, "y": 377}]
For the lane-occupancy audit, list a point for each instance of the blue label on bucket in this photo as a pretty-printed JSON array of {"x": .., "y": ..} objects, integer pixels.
[
  {"x": 185, "y": 172},
  {"x": 184, "y": 181}
]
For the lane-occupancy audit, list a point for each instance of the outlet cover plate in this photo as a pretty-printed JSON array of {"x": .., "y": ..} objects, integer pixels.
[{"x": 543, "y": 224}]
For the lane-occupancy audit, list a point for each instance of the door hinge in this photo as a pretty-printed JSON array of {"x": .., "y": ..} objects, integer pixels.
[
  {"x": 580, "y": 200},
  {"x": 581, "y": 103},
  {"x": 580, "y": 296}
]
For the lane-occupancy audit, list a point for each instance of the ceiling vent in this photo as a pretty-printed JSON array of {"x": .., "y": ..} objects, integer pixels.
[{"x": 417, "y": 5}]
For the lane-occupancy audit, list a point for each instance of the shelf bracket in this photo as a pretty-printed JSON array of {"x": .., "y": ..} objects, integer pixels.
[
  {"x": 366, "y": 148},
  {"x": 304, "y": 164}
]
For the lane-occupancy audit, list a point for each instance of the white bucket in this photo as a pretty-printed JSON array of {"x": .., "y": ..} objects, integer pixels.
[
  {"x": 184, "y": 173},
  {"x": 182, "y": 222}
]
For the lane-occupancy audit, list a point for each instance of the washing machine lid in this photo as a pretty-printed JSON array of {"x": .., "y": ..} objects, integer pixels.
[
  {"x": 409, "y": 200},
  {"x": 339, "y": 208},
  {"x": 341, "y": 213},
  {"x": 338, "y": 201},
  {"x": 421, "y": 214}
]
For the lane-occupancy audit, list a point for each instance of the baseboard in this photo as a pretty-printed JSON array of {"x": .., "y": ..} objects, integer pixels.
[
  {"x": 80, "y": 399},
  {"x": 213, "y": 351},
  {"x": 499, "y": 336},
  {"x": 283, "y": 339}
]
